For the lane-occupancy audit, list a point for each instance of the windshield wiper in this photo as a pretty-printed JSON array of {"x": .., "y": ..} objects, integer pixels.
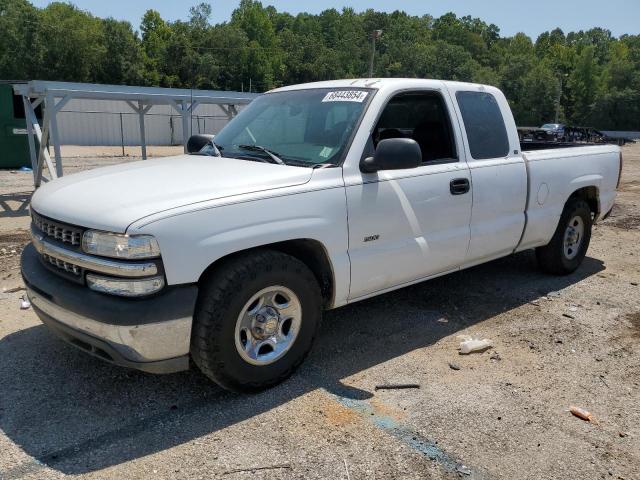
[{"x": 258, "y": 148}]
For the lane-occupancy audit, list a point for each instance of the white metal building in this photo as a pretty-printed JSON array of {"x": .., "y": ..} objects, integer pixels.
[
  {"x": 85, "y": 121},
  {"x": 90, "y": 114}
]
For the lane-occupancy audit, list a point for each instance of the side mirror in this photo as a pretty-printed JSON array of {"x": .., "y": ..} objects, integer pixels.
[
  {"x": 196, "y": 142},
  {"x": 393, "y": 154}
]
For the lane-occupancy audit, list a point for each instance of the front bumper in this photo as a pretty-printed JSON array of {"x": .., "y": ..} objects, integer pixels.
[{"x": 150, "y": 334}]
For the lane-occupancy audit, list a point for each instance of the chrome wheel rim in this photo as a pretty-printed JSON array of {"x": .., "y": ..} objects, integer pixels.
[
  {"x": 573, "y": 237},
  {"x": 268, "y": 325}
]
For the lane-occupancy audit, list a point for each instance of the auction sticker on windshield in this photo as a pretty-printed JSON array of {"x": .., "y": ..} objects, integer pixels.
[{"x": 345, "y": 96}]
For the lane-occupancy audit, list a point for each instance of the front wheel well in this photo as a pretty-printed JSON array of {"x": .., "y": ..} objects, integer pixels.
[
  {"x": 310, "y": 252},
  {"x": 589, "y": 195}
]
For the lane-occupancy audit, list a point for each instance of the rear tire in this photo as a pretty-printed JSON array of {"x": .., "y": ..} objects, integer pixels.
[
  {"x": 568, "y": 246},
  {"x": 256, "y": 319}
]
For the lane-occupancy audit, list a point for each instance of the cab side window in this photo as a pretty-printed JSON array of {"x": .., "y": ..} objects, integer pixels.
[
  {"x": 483, "y": 122},
  {"x": 423, "y": 117}
]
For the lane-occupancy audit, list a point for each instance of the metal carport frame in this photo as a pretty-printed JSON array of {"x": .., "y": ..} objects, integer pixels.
[{"x": 55, "y": 95}]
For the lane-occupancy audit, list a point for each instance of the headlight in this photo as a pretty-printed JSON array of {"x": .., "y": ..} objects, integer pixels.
[
  {"x": 116, "y": 245},
  {"x": 125, "y": 287}
]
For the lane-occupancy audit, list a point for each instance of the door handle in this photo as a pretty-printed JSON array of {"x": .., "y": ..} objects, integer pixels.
[{"x": 459, "y": 186}]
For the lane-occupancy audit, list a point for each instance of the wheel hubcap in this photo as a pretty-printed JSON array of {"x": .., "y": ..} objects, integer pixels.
[
  {"x": 573, "y": 237},
  {"x": 268, "y": 325}
]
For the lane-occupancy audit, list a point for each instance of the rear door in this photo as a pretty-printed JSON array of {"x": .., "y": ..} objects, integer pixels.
[{"x": 498, "y": 171}]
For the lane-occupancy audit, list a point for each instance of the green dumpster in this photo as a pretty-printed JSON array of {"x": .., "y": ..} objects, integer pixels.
[{"x": 14, "y": 144}]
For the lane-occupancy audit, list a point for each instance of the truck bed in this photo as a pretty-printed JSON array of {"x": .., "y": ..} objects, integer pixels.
[{"x": 555, "y": 173}]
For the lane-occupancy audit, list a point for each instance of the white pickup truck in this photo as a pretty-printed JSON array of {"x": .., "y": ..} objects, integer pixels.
[{"x": 313, "y": 197}]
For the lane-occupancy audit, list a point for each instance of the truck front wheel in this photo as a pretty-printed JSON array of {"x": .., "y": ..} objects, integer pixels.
[
  {"x": 256, "y": 319},
  {"x": 568, "y": 247}
]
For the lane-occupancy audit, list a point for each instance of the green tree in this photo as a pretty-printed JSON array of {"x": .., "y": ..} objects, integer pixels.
[
  {"x": 19, "y": 27},
  {"x": 583, "y": 84},
  {"x": 123, "y": 59}
]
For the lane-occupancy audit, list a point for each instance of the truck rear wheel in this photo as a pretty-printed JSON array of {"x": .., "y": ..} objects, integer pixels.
[
  {"x": 568, "y": 247},
  {"x": 256, "y": 319}
]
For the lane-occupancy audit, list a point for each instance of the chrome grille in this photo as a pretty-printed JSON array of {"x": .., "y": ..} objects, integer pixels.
[
  {"x": 62, "y": 265},
  {"x": 59, "y": 231}
]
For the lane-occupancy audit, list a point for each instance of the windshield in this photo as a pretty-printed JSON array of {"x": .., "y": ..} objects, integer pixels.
[
  {"x": 300, "y": 127},
  {"x": 550, "y": 126}
]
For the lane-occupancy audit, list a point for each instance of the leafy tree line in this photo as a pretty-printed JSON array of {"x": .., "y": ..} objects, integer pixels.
[{"x": 595, "y": 76}]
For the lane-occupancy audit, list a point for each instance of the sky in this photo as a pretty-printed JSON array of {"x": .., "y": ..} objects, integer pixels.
[{"x": 511, "y": 16}]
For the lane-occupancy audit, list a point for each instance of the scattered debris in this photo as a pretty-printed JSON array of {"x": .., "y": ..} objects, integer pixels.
[
  {"x": 463, "y": 469},
  {"x": 601, "y": 377},
  {"x": 13, "y": 290},
  {"x": 568, "y": 316},
  {"x": 253, "y": 469},
  {"x": 25, "y": 304},
  {"x": 573, "y": 308},
  {"x": 471, "y": 344},
  {"x": 399, "y": 386},
  {"x": 635, "y": 284},
  {"x": 583, "y": 414},
  {"x": 454, "y": 366},
  {"x": 622, "y": 434},
  {"x": 346, "y": 468},
  {"x": 496, "y": 356},
  {"x": 443, "y": 320},
  {"x": 535, "y": 302},
  {"x": 553, "y": 294}
]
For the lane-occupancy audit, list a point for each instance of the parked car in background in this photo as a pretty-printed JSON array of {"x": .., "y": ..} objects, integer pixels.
[
  {"x": 315, "y": 196},
  {"x": 556, "y": 129}
]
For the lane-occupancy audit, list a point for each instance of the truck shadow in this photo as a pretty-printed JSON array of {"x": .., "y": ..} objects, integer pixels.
[{"x": 76, "y": 414}]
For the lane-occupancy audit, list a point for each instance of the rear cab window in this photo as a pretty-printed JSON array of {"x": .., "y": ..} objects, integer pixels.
[{"x": 484, "y": 125}]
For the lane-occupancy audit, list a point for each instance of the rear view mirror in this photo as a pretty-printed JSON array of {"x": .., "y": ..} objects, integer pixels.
[
  {"x": 393, "y": 154},
  {"x": 196, "y": 142}
]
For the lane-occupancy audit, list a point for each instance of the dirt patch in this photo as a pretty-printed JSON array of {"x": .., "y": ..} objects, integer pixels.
[
  {"x": 624, "y": 217},
  {"x": 339, "y": 415},
  {"x": 632, "y": 186},
  {"x": 19, "y": 238},
  {"x": 634, "y": 318}
]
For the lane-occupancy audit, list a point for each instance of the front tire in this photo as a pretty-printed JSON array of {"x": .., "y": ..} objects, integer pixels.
[
  {"x": 568, "y": 246},
  {"x": 256, "y": 319}
]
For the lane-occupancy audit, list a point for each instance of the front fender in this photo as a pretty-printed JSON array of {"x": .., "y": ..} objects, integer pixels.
[{"x": 191, "y": 241}]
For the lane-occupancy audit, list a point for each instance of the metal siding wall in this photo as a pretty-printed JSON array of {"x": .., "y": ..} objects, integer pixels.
[{"x": 97, "y": 122}]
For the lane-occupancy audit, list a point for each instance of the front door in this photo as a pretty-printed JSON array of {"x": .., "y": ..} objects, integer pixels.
[{"x": 406, "y": 225}]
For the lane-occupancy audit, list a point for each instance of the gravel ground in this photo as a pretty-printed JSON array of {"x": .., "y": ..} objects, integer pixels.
[{"x": 558, "y": 341}]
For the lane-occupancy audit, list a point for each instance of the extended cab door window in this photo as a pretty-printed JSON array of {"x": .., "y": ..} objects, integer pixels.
[
  {"x": 423, "y": 117},
  {"x": 483, "y": 122}
]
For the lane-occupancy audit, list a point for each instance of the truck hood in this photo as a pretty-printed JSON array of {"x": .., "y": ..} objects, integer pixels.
[{"x": 111, "y": 198}]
